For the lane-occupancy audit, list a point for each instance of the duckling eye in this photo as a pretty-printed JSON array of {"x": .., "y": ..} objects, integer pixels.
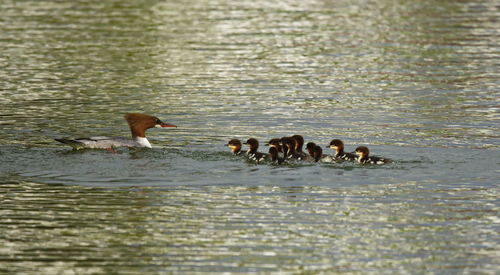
[{"x": 158, "y": 121}]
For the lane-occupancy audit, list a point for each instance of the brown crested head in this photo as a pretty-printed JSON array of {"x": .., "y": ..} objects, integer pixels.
[
  {"x": 299, "y": 142},
  {"x": 139, "y": 123},
  {"x": 310, "y": 146},
  {"x": 252, "y": 143},
  {"x": 362, "y": 151}
]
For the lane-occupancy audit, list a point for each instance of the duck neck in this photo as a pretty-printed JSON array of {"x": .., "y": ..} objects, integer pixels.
[
  {"x": 143, "y": 141},
  {"x": 138, "y": 130},
  {"x": 340, "y": 151}
]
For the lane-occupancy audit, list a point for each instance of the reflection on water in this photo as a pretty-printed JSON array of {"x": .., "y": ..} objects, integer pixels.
[
  {"x": 164, "y": 210},
  {"x": 388, "y": 228},
  {"x": 416, "y": 81},
  {"x": 419, "y": 73}
]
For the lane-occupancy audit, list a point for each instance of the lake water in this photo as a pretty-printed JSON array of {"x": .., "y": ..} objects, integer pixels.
[{"x": 416, "y": 81}]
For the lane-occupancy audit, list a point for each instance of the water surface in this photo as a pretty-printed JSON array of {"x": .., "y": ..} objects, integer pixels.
[{"x": 416, "y": 81}]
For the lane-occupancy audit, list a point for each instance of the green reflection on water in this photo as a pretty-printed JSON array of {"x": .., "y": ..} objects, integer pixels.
[
  {"x": 52, "y": 228},
  {"x": 400, "y": 73},
  {"x": 362, "y": 69}
]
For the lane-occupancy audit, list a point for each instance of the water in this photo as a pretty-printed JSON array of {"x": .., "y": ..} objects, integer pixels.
[{"x": 416, "y": 81}]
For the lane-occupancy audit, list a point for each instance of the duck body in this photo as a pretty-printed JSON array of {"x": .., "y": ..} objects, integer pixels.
[
  {"x": 257, "y": 156},
  {"x": 316, "y": 153},
  {"x": 299, "y": 143},
  {"x": 274, "y": 154},
  {"x": 104, "y": 142},
  {"x": 374, "y": 160},
  {"x": 252, "y": 152},
  {"x": 346, "y": 156},
  {"x": 138, "y": 124}
]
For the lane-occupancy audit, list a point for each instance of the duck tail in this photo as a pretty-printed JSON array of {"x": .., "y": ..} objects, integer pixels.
[{"x": 73, "y": 143}]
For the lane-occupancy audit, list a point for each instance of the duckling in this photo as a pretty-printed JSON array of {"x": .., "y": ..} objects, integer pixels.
[
  {"x": 310, "y": 146},
  {"x": 284, "y": 145},
  {"x": 299, "y": 142},
  {"x": 316, "y": 153},
  {"x": 364, "y": 156},
  {"x": 338, "y": 146},
  {"x": 290, "y": 144},
  {"x": 252, "y": 153},
  {"x": 275, "y": 142}
]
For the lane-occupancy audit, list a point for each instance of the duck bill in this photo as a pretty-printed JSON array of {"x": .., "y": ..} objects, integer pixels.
[{"x": 164, "y": 125}]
